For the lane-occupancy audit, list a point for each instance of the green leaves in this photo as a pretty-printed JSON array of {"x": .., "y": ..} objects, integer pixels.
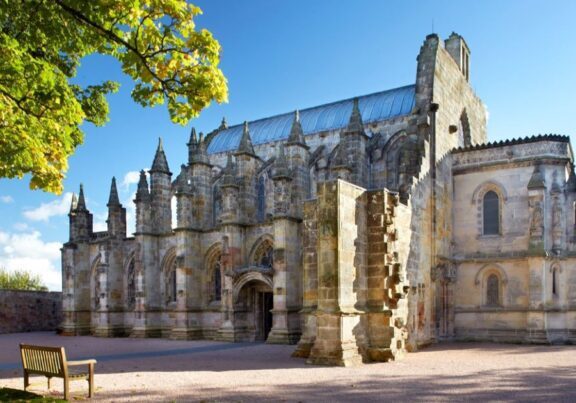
[
  {"x": 20, "y": 280},
  {"x": 41, "y": 45}
]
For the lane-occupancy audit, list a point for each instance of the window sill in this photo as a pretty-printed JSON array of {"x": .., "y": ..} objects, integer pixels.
[{"x": 488, "y": 237}]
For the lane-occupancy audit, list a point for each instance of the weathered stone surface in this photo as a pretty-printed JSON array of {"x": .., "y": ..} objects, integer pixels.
[
  {"x": 359, "y": 243},
  {"x": 29, "y": 311}
]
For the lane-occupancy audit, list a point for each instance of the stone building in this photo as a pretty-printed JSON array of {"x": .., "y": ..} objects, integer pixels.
[{"x": 359, "y": 230}]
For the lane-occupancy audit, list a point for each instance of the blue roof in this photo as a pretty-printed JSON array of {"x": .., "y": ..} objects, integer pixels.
[{"x": 373, "y": 107}]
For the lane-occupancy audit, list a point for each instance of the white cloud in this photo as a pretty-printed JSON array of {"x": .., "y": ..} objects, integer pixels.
[
  {"x": 27, "y": 251},
  {"x": 130, "y": 213},
  {"x": 131, "y": 178},
  {"x": 6, "y": 199},
  {"x": 100, "y": 222},
  {"x": 45, "y": 211},
  {"x": 21, "y": 226}
]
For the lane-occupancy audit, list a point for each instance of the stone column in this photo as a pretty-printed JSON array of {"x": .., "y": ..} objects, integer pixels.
[
  {"x": 309, "y": 280},
  {"x": 337, "y": 319},
  {"x": 232, "y": 256},
  {"x": 102, "y": 328},
  {"x": 287, "y": 282},
  {"x": 538, "y": 242},
  {"x": 188, "y": 286},
  {"x": 148, "y": 315}
]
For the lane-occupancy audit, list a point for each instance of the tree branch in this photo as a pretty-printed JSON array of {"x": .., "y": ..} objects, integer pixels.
[
  {"x": 109, "y": 34},
  {"x": 18, "y": 103}
]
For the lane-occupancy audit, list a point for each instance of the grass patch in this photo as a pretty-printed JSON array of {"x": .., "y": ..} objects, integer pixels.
[{"x": 17, "y": 395}]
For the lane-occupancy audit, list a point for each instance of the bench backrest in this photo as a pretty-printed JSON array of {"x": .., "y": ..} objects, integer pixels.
[{"x": 44, "y": 360}]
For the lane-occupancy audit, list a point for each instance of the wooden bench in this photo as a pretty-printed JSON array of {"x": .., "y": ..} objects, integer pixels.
[{"x": 51, "y": 362}]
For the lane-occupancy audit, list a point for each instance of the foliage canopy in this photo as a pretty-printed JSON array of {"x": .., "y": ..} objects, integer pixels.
[
  {"x": 20, "y": 280},
  {"x": 41, "y": 45}
]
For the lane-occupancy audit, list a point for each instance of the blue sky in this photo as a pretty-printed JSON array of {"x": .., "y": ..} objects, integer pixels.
[{"x": 283, "y": 55}]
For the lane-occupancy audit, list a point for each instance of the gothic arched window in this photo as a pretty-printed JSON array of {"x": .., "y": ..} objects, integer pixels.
[
  {"x": 171, "y": 282},
  {"x": 216, "y": 280},
  {"x": 264, "y": 255},
  {"x": 493, "y": 290},
  {"x": 261, "y": 192},
  {"x": 555, "y": 282},
  {"x": 131, "y": 285},
  {"x": 491, "y": 213}
]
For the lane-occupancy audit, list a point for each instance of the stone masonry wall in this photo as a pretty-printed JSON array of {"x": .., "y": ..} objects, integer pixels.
[{"x": 29, "y": 311}]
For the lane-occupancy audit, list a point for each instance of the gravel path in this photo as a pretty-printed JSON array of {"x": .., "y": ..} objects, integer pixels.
[{"x": 167, "y": 370}]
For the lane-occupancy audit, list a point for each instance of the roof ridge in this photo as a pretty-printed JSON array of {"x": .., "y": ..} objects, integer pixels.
[
  {"x": 521, "y": 140},
  {"x": 322, "y": 105}
]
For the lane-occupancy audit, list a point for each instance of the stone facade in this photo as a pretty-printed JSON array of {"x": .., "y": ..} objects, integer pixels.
[
  {"x": 29, "y": 311},
  {"x": 358, "y": 230}
]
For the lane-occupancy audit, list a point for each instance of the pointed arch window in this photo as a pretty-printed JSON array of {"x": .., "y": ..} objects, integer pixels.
[
  {"x": 493, "y": 290},
  {"x": 217, "y": 280},
  {"x": 491, "y": 213},
  {"x": 131, "y": 285},
  {"x": 171, "y": 282},
  {"x": 264, "y": 255},
  {"x": 555, "y": 285}
]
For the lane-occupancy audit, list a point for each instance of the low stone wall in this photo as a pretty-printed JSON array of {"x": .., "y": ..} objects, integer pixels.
[{"x": 29, "y": 311}]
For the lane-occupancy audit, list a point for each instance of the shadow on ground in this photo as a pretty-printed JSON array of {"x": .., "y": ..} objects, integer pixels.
[
  {"x": 16, "y": 395},
  {"x": 534, "y": 385}
]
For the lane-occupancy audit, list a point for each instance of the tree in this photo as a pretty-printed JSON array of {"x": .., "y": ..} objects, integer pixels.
[
  {"x": 41, "y": 45},
  {"x": 20, "y": 280}
]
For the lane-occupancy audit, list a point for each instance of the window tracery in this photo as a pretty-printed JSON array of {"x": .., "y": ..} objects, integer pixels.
[{"x": 264, "y": 255}]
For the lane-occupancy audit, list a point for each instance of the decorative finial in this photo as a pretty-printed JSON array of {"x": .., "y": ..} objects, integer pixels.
[
  {"x": 160, "y": 164},
  {"x": 296, "y": 133},
  {"x": 113, "y": 200},
  {"x": 245, "y": 146}
]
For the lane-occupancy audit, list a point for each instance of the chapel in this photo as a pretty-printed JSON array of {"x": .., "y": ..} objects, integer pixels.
[{"x": 355, "y": 230}]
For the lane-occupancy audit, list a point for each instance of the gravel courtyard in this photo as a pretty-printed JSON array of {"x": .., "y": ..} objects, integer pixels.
[{"x": 167, "y": 370}]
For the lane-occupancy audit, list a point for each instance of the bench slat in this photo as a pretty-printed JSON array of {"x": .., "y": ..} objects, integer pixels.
[{"x": 51, "y": 362}]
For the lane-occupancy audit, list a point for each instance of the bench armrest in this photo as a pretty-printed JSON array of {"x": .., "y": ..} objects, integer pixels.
[{"x": 83, "y": 362}]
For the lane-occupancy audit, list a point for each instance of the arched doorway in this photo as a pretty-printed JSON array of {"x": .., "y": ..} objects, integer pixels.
[{"x": 253, "y": 303}]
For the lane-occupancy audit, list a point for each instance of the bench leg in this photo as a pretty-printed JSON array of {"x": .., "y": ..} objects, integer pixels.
[
  {"x": 26, "y": 380},
  {"x": 91, "y": 380},
  {"x": 48, "y": 382},
  {"x": 66, "y": 389}
]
